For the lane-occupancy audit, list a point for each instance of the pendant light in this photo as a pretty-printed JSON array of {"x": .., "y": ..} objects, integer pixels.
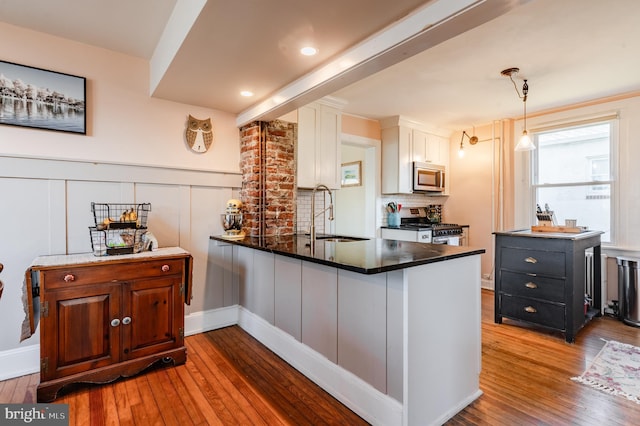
[
  {"x": 525, "y": 143},
  {"x": 472, "y": 140}
]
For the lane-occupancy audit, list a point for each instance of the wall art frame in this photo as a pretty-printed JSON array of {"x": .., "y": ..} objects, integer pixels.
[
  {"x": 42, "y": 99},
  {"x": 351, "y": 174}
]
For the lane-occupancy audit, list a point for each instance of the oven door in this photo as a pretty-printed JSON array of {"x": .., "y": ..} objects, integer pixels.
[{"x": 440, "y": 240}]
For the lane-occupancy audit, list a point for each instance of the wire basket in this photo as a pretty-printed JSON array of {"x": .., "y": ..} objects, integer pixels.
[
  {"x": 108, "y": 242},
  {"x": 120, "y": 216}
]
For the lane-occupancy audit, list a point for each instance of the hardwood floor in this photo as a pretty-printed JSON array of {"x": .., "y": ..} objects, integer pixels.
[
  {"x": 230, "y": 378},
  {"x": 526, "y": 376}
]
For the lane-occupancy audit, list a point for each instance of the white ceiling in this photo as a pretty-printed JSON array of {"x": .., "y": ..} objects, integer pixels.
[{"x": 569, "y": 50}]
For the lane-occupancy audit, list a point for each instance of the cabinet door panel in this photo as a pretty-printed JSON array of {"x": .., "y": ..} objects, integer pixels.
[
  {"x": 362, "y": 320},
  {"x": 77, "y": 330},
  {"x": 154, "y": 308},
  {"x": 320, "y": 309},
  {"x": 306, "y": 146},
  {"x": 288, "y": 295}
]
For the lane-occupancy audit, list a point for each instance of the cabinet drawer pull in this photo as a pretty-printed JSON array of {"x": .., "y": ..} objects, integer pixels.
[
  {"x": 126, "y": 320},
  {"x": 165, "y": 268},
  {"x": 115, "y": 322},
  {"x": 531, "y": 285},
  {"x": 68, "y": 278},
  {"x": 530, "y": 309},
  {"x": 531, "y": 260}
]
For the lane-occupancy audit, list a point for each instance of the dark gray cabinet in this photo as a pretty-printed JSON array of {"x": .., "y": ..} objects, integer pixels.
[{"x": 540, "y": 279}]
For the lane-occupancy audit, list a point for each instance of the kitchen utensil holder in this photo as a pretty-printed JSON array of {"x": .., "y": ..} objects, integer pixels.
[{"x": 393, "y": 220}]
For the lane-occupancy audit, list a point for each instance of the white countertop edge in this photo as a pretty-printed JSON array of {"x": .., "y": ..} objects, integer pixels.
[{"x": 70, "y": 259}]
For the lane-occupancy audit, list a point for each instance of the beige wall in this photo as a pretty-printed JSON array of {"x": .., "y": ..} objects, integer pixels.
[
  {"x": 360, "y": 126},
  {"x": 475, "y": 196},
  {"x": 49, "y": 178},
  {"x": 124, "y": 124}
]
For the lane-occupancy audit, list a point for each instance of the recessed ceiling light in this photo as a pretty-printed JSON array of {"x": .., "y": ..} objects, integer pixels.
[
  {"x": 308, "y": 51},
  {"x": 246, "y": 93}
]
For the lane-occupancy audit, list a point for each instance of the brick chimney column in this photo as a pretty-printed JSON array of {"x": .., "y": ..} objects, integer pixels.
[{"x": 267, "y": 163}]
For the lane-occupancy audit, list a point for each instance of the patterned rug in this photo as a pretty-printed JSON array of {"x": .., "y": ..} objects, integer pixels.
[{"x": 615, "y": 370}]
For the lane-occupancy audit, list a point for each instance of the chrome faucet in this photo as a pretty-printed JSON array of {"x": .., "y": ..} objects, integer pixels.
[{"x": 312, "y": 230}]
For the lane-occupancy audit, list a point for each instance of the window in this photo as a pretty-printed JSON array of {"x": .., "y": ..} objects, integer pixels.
[{"x": 572, "y": 174}]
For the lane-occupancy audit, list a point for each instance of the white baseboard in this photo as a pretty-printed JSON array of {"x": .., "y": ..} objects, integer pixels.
[
  {"x": 366, "y": 401},
  {"x": 487, "y": 284},
  {"x": 203, "y": 321},
  {"x": 19, "y": 362}
]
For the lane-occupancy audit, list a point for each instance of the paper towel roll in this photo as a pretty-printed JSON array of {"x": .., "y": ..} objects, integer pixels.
[{"x": 453, "y": 241}]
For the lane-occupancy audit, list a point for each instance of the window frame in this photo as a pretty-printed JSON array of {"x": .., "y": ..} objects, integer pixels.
[{"x": 613, "y": 121}]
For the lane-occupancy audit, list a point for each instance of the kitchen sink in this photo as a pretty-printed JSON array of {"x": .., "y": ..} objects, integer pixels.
[{"x": 339, "y": 238}]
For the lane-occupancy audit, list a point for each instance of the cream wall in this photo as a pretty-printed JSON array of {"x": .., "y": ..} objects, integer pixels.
[
  {"x": 124, "y": 124},
  {"x": 134, "y": 151},
  {"x": 474, "y": 193},
  {"x": 361, "y": 127},
  {"x": 489, "y": 201}
]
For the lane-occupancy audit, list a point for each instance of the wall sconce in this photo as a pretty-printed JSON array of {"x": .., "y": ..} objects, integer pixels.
[
  {"x": 472, "y": 140},
  {"x": 525, "y": 143}
]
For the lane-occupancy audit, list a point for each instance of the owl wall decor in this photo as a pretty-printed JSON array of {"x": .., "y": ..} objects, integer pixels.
[{"x": 199, "y": 134}]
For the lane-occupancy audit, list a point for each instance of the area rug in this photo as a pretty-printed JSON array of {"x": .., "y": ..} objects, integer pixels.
[{"x": 615, "y": 370}]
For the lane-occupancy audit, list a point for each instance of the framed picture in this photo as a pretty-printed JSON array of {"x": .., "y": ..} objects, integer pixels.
[
  {"x": 351, "y": 174},
  {"x": 37, "y": 98}
]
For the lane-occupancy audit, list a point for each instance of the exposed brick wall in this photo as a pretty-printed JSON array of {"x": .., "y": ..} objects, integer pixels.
[{"x": 267, "y": 163}]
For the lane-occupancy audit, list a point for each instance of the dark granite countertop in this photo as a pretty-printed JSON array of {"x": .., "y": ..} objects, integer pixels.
[{"x": 370, "y": 256}]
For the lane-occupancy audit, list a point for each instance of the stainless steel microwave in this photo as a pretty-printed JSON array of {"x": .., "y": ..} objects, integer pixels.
[{"x": 428, "y": 177}]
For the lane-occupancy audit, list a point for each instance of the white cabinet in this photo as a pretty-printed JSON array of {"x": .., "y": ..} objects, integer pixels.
[
  {"x": 320, "y": 309},
  {"x": 362, "y": 319},
  {"x": 396, "y": 160},
  {"x": 288, "y": 295},
  {"x": 403, "y": 142},
  {"x": 318, "y": 146},
  {"x": 406, "y": 235},
  {"x": 255, "y": 272},
  {"x": 428, "y": 148}
]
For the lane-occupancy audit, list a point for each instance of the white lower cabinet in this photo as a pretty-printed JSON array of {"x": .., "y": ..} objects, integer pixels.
[
  {"x": 362, "y": 321},
  {"x": 255, "y": 270},
  {"x": 288, "y": 295},
  {"x": 343, "y": 315},
  {"x": 320, "y": 309}
]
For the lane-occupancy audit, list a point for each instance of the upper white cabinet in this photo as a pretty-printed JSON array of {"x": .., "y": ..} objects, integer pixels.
[
  {"x": 319, "y": 130},
  {"x": 429, "y": 148},
  {"x": 403, "y": 142}
]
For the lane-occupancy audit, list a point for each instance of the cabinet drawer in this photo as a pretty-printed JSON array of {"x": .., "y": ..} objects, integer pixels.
[
  {"x": 531, "y": 310},
  {"x": 533, "y": 261},
  {"x": 96, "y": 273},
  {"x": 519, "y": 284}
]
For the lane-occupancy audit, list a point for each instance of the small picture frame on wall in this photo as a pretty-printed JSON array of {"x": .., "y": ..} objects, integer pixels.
[
  {"x": 351, "y": 174},
  {"x": 42, "y": 99}
]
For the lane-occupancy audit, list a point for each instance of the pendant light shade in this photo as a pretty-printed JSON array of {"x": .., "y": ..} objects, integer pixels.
[{"x": 525, "y": 143}]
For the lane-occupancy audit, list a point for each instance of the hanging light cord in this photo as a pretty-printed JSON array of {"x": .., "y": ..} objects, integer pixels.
[{"x": 525, "y": 92}]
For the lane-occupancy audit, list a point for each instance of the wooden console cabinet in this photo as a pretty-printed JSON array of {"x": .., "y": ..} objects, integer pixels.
[
  {"x": 540, "y": 279},
  {"x": 102, "y": 318}
]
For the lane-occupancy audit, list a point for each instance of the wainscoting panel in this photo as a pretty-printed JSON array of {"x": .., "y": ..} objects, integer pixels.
[{"x": 46, "y": 209}]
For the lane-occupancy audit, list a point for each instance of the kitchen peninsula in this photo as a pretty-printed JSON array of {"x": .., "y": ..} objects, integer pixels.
[{"x": 390, "y": 328}]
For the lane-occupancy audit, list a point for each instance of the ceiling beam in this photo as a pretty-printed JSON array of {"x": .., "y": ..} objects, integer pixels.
[{"x": 428, "y": 26}]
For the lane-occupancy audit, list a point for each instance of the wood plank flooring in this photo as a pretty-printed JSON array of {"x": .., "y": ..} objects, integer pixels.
[{"x": 230, "y": 378}]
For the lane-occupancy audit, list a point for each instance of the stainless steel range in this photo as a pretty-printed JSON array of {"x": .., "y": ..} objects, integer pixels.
[{"x": 423, "y": 224}]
